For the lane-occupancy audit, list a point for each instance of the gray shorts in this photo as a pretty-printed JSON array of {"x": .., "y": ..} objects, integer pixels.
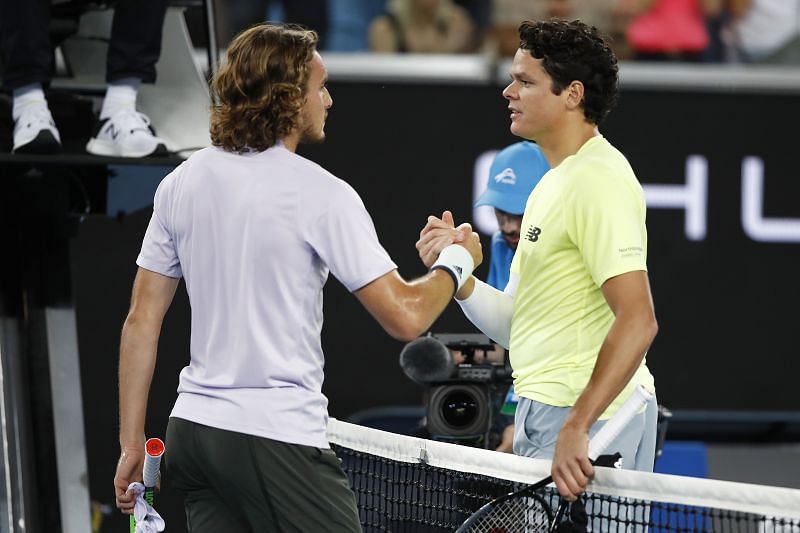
[{"x": 538, "y": 424}]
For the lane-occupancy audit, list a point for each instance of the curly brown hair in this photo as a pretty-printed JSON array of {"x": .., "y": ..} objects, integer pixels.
[
  {"x": 571, "y": 50},
  {"x": 260, "y": 89}
]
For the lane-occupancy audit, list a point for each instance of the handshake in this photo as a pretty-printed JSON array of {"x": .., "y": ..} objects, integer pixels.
[{"x": 438, "y": 234}]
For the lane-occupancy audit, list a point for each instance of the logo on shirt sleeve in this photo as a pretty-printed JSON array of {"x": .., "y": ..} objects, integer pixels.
[
  {"x": 533, "y": 233},
  {"x": 631, "y": 251}
]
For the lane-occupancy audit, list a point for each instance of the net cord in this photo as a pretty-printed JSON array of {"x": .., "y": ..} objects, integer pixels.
[{"x": 733, "y": 496}]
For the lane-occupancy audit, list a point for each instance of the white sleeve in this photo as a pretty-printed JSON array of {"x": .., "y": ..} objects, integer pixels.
[
  {"x": 344, "y": 237},
  {"x": 159, "y": 252},
  {"x": 490, "y": 310},
  {"x": 511, "y": 286}
]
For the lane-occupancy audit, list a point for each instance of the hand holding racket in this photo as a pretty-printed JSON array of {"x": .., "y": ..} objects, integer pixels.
[
  {"x": 525, "y": 511},
  {"x": 129, "y": 467},
  {"x": 154, "y": 449}
]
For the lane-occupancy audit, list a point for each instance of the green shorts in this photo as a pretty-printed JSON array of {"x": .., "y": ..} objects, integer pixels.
[{"x": 235, "y": 482}]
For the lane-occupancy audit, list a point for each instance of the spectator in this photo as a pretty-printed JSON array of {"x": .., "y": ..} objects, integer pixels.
[
  {"x": 422, "y": 26},
  {"x": 715, "y": 24},
  {"x": 234, "y": 16},
  {"x": 506, "y": 15},
  {"x": 764, "y": 31},
  {"x": 349, "y": 24},
  {"x": 669, "y": 30},
  {"x": 479, "y": 12},
  {"x": 133, "y": 51}
]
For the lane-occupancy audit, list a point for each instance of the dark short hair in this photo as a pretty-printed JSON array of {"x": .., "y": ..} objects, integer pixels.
[
  {"x": 570, "y": 51},
  {"x": 260, "y": 89}
]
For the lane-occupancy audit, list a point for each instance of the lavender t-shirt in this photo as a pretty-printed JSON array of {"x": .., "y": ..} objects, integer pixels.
[{"x": 254, "y": 236}]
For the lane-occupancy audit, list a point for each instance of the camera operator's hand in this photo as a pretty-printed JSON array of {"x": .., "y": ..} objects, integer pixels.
[
  {"x": 496, "y": 355},
  {"x": 506, "y": 440}
]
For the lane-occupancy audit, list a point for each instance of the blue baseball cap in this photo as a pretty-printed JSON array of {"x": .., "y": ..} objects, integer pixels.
[{"x": 514, "y": 173}]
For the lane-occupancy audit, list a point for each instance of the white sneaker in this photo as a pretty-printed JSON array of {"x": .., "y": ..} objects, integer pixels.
[
  {"x": 35, "y": 132},
  {"x": 127, "y": 133}
]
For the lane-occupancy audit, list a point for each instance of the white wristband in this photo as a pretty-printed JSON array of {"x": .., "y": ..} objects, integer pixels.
[{"x": 456, "y": 260}]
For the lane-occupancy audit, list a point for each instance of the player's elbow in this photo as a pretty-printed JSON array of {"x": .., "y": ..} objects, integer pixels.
[
  {"x": 140, "y": 321},
  {"x": 406, "y": 329},
  {"x": 406, "y": 335},
  {"x": 650, "y": 329}
]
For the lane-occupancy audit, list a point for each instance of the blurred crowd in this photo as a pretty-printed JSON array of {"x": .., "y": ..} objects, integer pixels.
[{"x": 734, "y": 31}]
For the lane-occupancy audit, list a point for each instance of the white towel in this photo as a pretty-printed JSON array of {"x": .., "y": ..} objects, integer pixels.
[{"x": 147, "y": 519}]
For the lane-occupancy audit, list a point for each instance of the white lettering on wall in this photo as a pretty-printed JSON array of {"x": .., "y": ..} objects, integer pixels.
[
  {"x": 692, "y": 197},
  {"x": 755, "y": 225}
]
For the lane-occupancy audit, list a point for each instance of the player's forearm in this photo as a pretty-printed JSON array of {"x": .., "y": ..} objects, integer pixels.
[
  {"x": 466, "y": 290},
  {"x": 136, "y": 364},
  {"x": 406, "y": 309},
  {"x": 424, "y": 300},
  {"x": 490, "y": 310},
  {"x": 620, "y": 356}
]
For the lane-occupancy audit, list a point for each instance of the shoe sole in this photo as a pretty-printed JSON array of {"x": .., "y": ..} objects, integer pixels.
[
  {"x": 110, "y": 149},
  {"x": 44, "y": 143}
]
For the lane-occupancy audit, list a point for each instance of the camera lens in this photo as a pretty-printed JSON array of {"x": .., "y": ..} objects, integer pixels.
[{"x": 459, "y": 409}]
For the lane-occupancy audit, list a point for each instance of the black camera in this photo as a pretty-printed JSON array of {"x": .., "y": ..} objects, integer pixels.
[{"x": 463, "y": 399}]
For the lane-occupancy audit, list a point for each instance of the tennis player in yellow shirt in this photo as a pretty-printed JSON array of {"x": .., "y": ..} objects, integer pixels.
[{"x": 577, "y": 314}]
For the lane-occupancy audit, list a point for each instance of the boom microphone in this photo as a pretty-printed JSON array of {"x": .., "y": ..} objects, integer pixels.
[{"x": 427, "y": 360}]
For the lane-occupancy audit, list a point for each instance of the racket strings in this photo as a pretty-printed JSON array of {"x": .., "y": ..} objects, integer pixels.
[{"x": 525, "y": 514}]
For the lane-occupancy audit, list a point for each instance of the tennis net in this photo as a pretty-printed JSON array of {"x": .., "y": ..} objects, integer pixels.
[{"x": 407, "y": 484}]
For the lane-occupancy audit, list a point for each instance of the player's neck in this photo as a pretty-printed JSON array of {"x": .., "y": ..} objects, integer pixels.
[
  {"x": 566, "y": 141},
  {"x": 291, "y": 141}
]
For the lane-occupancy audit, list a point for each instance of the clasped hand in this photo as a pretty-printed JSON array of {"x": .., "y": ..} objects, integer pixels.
[{"x": 439, "y": 233}]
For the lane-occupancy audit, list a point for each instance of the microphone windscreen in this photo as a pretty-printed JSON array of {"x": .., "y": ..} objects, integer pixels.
[{"x": 427, "y": 360}]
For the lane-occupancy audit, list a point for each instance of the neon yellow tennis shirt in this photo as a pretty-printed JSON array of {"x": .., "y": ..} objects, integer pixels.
[{"x": 583, "y": 224}]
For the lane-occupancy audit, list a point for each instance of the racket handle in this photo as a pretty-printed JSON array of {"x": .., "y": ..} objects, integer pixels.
[
  {"x": 613, "y": 427},
  {"x": 154, "y": 449}
]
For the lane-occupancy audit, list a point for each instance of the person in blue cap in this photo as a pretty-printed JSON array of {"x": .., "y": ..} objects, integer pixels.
[{"x": 514, "y": 173}]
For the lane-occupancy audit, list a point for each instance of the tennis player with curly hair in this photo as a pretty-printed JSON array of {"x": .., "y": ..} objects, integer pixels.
[
  {"x": 254, "y": 229},
  {"x": 577, "y": 314}
]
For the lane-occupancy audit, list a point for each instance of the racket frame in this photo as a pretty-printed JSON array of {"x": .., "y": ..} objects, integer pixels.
[{"x": 597, "y": 445}]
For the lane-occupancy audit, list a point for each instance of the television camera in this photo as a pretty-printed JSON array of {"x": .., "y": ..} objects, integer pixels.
[{"x": 463, "y": 399}]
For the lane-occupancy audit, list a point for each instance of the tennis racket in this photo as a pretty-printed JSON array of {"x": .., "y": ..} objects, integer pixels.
[
  {"x": 525, "y": 511},
  {"x": 153, "y": 450}
]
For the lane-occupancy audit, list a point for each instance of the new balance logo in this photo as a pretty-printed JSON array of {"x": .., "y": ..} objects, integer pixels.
[
  {"x": 112, "y": 131},
  {"x": 506, "y": 176},
  {"x": 533, "y": 234}
]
